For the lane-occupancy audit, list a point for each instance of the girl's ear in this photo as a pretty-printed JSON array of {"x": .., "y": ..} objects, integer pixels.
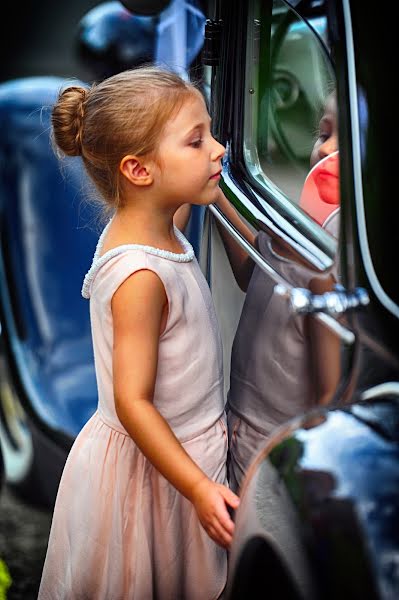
[{"x": 136, "y": 170}]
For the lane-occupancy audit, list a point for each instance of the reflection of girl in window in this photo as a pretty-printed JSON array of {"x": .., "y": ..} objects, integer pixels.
[
  {"x": 320, "y": 194},
  {"x": 281, "y": 364},
  {"x": 327, "y": 138}
]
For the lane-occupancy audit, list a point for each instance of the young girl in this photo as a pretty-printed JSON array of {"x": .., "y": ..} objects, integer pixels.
[{"x": 142, "y": 506}]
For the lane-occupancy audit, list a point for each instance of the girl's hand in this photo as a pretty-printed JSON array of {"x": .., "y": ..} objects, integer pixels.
[{"x": 210, "y": 500}]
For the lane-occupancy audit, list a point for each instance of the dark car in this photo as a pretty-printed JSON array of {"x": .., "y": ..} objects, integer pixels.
[
  {"x": 309, "y": 314},
  {"x": 311, "y": 345}
]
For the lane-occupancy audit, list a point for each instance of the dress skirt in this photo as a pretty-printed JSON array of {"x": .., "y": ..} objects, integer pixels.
[{"x": 121, "y": 531}]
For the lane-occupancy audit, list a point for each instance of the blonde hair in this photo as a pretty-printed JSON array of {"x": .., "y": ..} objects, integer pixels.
[{"x": 124, "y": 114}]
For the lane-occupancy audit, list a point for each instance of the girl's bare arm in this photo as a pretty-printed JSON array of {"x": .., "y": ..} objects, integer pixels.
[
  {"x": 138, "y": 311},
  {"x": 241, "y": 264}
]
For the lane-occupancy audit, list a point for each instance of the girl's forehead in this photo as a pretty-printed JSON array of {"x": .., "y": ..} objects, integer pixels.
[
  {"x": 192, "y": 110},
  {"x": 331, "y": 105}
]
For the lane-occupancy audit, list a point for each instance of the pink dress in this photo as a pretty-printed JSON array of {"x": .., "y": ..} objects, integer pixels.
[{"x": 120, "y": 530}]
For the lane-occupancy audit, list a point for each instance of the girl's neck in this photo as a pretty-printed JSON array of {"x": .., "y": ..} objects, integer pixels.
[{"x": 131, "y": 225}]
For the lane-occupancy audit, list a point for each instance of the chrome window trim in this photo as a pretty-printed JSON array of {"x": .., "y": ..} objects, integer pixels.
[
  {"x": 288, "y": 232},
  {"x": 390, "y": 388},
  {"x": 279, "y": 224},
  {"x": 357, "y": 169}
]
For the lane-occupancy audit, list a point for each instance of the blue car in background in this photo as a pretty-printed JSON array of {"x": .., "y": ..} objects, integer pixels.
[{"x": 47, "y": 236}]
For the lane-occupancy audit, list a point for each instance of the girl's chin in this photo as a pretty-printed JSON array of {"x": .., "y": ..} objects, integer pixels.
[
  {"x": 329, "y": 194},
  {"x": 212, "y": 199}
]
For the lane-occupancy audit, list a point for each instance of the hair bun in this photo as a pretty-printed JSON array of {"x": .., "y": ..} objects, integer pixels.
[{"x": 68, "y": 119}]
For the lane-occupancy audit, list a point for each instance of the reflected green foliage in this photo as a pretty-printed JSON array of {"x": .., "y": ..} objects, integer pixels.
[
  {"x": 5, "y": 580},
  {"x": 286, "y": 458}
]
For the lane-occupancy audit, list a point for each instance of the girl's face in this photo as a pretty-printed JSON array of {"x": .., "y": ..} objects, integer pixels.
[
  {"x": 327, "y": 140},
  {"x": 189, "y": 157}
]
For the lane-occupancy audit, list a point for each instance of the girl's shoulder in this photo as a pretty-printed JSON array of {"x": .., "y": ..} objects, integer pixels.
[{"x": 109, "y": 270}]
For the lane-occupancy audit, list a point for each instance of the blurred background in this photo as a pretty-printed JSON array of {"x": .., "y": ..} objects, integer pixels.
[{"x": 39, "y": 38}]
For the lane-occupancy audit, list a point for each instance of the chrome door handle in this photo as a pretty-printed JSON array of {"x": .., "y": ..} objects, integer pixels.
[{"x": 333, "y": 303}]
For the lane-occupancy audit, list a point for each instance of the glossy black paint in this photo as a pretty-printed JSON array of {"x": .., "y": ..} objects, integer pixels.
[
  {"x": 377, "y": 350},
  {"x": 379, "y": 128},
  {"x": 343, "y": 479}
]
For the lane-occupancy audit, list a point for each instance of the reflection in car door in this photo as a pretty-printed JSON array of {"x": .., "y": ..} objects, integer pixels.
[{"x": 278, "y": 364}]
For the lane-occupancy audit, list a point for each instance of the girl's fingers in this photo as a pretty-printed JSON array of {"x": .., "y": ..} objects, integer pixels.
[
  {"x": 218, "y": 532},
  {"x": 219, "y": 535},
  {"x": 230, "y": 497},
  {"x": 218, "y": 524},
  {"x": 212, "y": 534},
  {"x": 225, "y": 521},
  {"x": 227, "y": 497}
]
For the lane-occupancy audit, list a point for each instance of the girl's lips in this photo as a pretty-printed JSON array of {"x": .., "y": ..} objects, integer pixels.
[
  {"x": 216, "y": 176},
  {"x": 325, "y": 175}
]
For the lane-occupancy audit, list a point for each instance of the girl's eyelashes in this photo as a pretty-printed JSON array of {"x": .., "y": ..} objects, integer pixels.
[
  {"x": 323, "y": 137},
  {"x": 325, "y": 132},
  {"x": 196, "y": 143}
]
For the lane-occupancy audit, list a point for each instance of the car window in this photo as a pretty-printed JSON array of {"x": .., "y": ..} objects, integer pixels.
[{"x": 290, "y": 111}]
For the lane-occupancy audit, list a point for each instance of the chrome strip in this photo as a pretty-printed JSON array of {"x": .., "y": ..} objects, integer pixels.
[
  {"x": 254, "y": 254},
  {"x": 310, "y": 252},
  {"x": 357, "y": 170},
  {"x": 345, "y": 334},
  {"x": 390, "y": 388}
]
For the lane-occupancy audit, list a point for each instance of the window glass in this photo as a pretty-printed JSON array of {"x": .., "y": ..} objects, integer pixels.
[{"x": 291, "y": 141}]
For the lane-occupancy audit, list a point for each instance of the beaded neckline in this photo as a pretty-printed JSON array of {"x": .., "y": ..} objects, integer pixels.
[{"x": 99, "y": 261}]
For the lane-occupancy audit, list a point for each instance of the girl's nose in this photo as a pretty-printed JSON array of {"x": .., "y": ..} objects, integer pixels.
[{"x": 217, "y": 151}]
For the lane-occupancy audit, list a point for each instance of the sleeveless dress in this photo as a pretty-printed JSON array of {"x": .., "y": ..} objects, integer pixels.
[
  {"x": 120, "y": 530},
  {"x": 271, "y": 378}
]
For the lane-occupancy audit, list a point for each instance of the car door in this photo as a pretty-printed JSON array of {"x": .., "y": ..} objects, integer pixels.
[
  {"x": 312, "y": 397},
  {"x": 269, "y": 96}
]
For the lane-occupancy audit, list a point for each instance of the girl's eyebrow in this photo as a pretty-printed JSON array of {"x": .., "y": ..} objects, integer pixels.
[
  {"x": 325, "y": 119},
  {"x": 201, "y": 125}
]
